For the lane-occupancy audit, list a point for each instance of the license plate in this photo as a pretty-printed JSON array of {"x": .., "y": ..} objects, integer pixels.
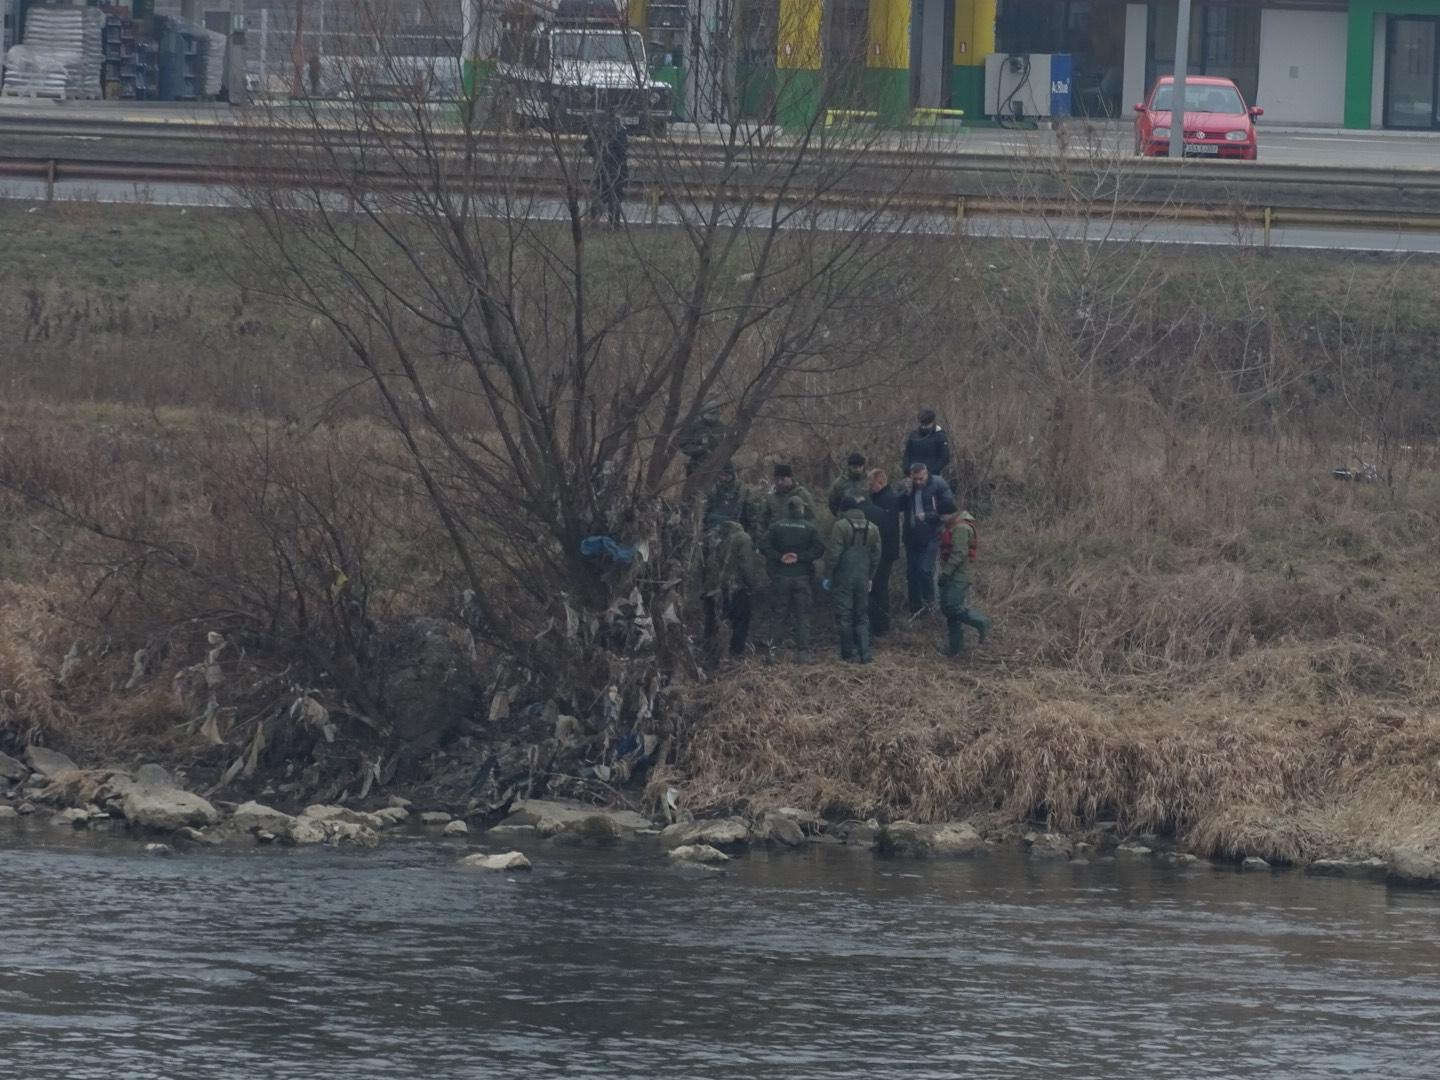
[{"x": 1200, "y": 149}]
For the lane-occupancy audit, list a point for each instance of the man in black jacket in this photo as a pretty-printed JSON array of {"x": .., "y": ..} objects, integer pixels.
[
  {"x": 883, "y": 508},
  {"x": 927, "y": 500},
  {"x": 927, "y": 445}
]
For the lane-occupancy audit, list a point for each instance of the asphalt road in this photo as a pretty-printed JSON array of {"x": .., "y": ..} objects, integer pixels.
[
  {"x": 1308, "y": 237},
  {"x": 1283, "y": 146}
]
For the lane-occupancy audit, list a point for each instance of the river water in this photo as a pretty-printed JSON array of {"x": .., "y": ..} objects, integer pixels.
[{"x": 828, "y": 964}]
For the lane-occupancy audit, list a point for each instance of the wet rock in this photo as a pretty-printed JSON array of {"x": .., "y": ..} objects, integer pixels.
[
  {"x": 395, "y": 802},
  {"x": 195, "y": 836},
  {"x": 10, "y": 769},
  {"x": 698, "y": 853},
  {"x": 150, "y": 800},
  {"x": 498, "y": 831},
  {"x": 343, "y": 814},
  {"x": 1254, "y": 862},
  {"x": 721, "y": 833},
  {"x": 809, "y": 823},
  {"x": 25, "y": 809},
  {"x": 778, "y": 829},
  {"x": 1177, "y": 858},
  {"x": 253, "y": 816},
  {"x": 435, "y": 817},
  {"x": 510, "y": 860},
  {"x": 913, "y": 840},
  {"x": 456, "y": 828},
  {"x": 265, "y": 836},
  {"x": 550, "y": 816},
  {"x": 48, "y": 762},
  {"x": 824, "y": 838},
  {"x": 8, "y": 812},
  {"x": 159, "y": 850},
  {"x": 300, "y": 831},
  {"x": 1048, "y": 845},
  {"x": 392, "y": 816},
  {"x": 1349, "y": 867},
  {"x": 350, "y": 834},
  {"x": 596, "y": 830},
  {"x": 73, "y": 818},
  {"x": 1134, "y": 851},
  {"x": 861, "y": 834},
  {"x": 1414, "y": 866}
]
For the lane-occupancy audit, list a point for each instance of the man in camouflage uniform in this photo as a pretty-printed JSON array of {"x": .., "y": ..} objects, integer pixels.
[
  {"x": 850, "y": 562},
  {"x": 772, "y": 508},
  {"x": 791, "y": 546},
  {"x": 731, "y": 575},
  {"x": 959, "y": 546},
  {"x": 726, "y": 501},
  {"x": 852, "y": 481}
]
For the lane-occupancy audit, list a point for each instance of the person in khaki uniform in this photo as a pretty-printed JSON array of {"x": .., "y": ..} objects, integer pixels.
[
  {"x": 959, "y": 547},
  {"x": 791, "y": 546},
  {"x": 850, "y": 563}
]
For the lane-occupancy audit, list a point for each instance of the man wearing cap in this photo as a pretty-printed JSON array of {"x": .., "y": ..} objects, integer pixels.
[
  {"x": 772, "y": 507},
  {"x": 927, "y": 445},
  {"x": 791, "y": 545},
  {"x": 927, "y": 501},
  {"x": 850, "y": 562},
  {"x": 851, "y": 482},
  {"x": 959, "y": 547}
]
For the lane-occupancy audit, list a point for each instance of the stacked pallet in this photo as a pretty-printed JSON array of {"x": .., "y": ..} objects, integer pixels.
[{"x": 60, "y": 54}]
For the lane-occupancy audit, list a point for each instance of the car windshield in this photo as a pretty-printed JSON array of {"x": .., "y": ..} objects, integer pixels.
[
  {"x": 1209, "y": 99},
  {"x": 599, "y": 46}
]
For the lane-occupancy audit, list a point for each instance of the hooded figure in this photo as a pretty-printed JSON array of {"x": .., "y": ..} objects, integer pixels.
[{"x": 791, "y": 546}]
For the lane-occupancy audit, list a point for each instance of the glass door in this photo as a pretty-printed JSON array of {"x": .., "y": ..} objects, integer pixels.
[{"x": 1412, "y": 96}]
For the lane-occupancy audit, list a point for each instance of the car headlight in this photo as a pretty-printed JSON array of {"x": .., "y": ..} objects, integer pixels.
[
  {"x": 1161, "y": 133},
  {"x": 1235, "y": 136}
]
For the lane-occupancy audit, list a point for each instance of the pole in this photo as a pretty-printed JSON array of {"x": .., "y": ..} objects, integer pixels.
[
  {"x": 264, "y": 51},
  {"x": 1182, "y": 68}
]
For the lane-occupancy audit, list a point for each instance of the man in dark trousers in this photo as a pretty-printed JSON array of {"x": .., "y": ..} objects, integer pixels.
[
  {"x": 883, "y": 509},
  {"x": 927, "y": 445},
  {"x": 927, "y": 501},
  {"x": 609, "y": 145}
]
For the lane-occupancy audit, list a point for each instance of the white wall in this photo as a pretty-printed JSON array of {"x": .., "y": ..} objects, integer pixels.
[
  {"x": 1302, "y": 66},
  {"x": 1377, "y": 76},
  {"x": 1136, "y": 36}
]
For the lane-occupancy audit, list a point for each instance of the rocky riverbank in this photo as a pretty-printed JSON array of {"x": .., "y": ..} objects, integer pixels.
[{"x": 47, "y": 789}]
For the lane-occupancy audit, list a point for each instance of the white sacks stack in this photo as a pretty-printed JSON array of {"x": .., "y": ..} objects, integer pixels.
[{"x": 60, "y": 54}]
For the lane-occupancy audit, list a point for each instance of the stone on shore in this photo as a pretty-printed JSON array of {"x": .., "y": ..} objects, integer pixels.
[
  {"x": 300, "y": 831},
  {"x": 911, "y": 839},
  {"x": 1254, "y": 862},
  {"x": 48, "y": 762},
  {"x": 8, "y": 812},
  {"x": 10, "y": 769},
  {"x": 254, "y": 816},
  {"x": 722, "y": 833},
  {"x": 435, "y": 817},
  {"x": 698, "y": 853},
  {"x": 510, "y": 860},
  {"x": 1414, "y": 866},
  {"x": 392, "y": 816},
  {"x": 1048, "y": 846},
  {"x": 1349, "y": 867},
  {"x": 1133, "y": 851},
  {"x": 72, "y": 818},
  {"x": 779, "y": 829},
  {"x": 550, "y": 816},
  {"x": 152, "y": 800},
  {"x": 395, "y": 802},
  {"x": 342, "y": 814},
  {"x": 456, "y": 828},
  {"x": 594, "y": 830},
  {"x": 195, "y": 836},
  {"x": 160, "y": 850}
]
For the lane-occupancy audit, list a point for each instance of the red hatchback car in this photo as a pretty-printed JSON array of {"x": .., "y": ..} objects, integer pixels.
[{"x": 1218, "y": 123}]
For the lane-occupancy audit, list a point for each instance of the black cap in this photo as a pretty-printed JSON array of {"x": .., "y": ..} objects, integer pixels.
[
  {"x": 927, "y": 416},
  {"x": 852, "y": 502},
  {"x": 855, "y": 460},
  {"x": 783, "y": 470}
]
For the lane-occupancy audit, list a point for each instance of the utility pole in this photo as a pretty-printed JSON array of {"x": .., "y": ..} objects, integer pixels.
[
  {"x": 1182, "y": 68},
  {"x": 297, "y": 52}
]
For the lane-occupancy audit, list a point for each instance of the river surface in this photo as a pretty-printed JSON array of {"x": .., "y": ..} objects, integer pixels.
[{"x": 391, "y": 964}]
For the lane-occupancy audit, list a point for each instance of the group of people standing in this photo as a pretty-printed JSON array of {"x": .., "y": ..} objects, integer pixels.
[{"x": 873, "y": 520}]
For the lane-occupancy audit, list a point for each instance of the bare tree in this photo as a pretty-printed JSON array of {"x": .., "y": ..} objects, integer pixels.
[{"x": 541, "y": 376}]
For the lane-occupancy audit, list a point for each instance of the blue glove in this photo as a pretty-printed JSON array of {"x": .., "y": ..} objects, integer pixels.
[{"x": 825, "y": 584}]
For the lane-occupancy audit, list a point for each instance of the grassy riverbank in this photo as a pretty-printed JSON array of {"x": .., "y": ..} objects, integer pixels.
[{"x": 1199, "y": 630}]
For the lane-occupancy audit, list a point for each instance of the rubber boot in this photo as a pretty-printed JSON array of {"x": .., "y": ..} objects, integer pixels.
[{"x": 979, "y": 622}]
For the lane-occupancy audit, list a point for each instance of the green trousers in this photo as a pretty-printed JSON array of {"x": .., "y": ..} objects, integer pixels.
[
  {"x": 792, "y": 610},
  {"x": 954, "y": 595},
  {"x": 852, "y": 615}
]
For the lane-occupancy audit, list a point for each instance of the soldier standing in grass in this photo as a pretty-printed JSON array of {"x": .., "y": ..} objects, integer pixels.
[
  {"x": 791, "y": 546},
  {"x": 851, "y": 482},
  {"x": 731, "y": 576},
  {"x": 959, "y": 547},
  {"x": 850, "y": 564},
  {"x": 772, "y": 507}
]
